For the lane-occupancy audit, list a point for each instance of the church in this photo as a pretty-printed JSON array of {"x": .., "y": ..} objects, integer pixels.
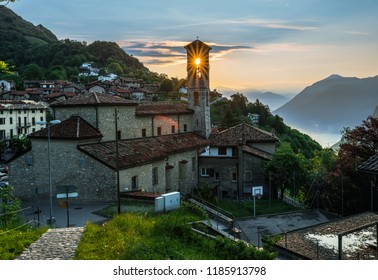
[{"x": 105, "y": 145}]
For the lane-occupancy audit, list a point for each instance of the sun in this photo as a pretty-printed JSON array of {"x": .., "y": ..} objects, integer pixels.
[{"x": 197, "y": 61}]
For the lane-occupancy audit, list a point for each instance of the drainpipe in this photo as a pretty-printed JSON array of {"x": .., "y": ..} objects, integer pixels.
[{"x": 153, "y": 126}]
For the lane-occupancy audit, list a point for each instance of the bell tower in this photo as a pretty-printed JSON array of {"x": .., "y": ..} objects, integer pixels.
[{"x": 198, "y": 86}]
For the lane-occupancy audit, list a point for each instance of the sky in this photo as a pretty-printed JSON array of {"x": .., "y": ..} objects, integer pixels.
[{"x": 267, "y": 45}]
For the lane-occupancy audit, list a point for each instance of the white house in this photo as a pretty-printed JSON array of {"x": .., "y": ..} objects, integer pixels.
[{"x": 20, "y": 118}]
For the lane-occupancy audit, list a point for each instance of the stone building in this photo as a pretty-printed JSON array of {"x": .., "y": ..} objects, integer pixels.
[
  {"x": 233, "y": 163},
  {"x": 149, "y": 147}
]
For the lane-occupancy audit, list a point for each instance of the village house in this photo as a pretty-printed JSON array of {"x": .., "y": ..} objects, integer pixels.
[
  {"x": 234, "y": 161},
  {"x": 19, "y": 118}
]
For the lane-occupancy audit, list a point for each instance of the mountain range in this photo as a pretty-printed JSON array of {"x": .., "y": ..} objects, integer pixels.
[
  {"x": 273, "y": 100},
  {"x": 331, "y": 104}
]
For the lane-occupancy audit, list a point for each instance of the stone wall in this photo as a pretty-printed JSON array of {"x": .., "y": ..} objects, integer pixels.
[
  {"x": 175, "y": 173},
  {"x": 94, "y": 181}
]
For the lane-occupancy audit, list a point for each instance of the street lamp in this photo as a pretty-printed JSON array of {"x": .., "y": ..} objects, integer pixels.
[{"x": 48, "y": 124}]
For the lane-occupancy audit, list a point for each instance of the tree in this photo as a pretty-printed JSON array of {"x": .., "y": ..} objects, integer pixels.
[
  {"x": 115, "y": 68},
  {"x": 166, "y": 85},
  {"x": 8, "y": 205},
  {"x": 33, "y": 72},
  {"x": 286, "y": 164},
  {"x": 348, "y": 188},
  {"x": 5, "y": 68}
]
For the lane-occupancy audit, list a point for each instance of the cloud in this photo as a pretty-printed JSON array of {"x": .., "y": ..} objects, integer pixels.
[
  {"x": 358, "y": 33},
  {"x": 172, "y": 52}
]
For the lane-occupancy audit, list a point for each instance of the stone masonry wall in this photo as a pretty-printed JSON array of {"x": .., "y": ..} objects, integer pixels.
[{"x": 94, "y": 181}]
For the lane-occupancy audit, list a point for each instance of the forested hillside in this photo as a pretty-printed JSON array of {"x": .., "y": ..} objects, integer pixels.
[{"x": 34, "y": 52}]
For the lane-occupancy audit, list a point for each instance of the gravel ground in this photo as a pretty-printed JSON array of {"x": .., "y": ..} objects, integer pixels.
[{"x": 321, "y": 242}]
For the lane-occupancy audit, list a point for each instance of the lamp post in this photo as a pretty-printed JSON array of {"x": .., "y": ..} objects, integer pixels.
[{"x": 51, "y": 220}]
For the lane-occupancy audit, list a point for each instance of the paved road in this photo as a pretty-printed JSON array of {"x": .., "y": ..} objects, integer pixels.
[
  {"x": 79, "y": 213},
  {"x": 256, "y": 228}
]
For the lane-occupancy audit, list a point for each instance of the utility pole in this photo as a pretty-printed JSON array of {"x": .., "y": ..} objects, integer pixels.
[{"x": 117, "y": 159}]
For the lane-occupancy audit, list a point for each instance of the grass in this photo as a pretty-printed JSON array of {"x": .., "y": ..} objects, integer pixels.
[
  {"x": 151, "y": 236},
  {"x": 245, "y": 208},
  {"x": 13, "y": 243}
]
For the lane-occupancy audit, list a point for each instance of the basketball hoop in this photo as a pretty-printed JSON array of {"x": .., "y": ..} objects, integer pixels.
[{"x": 259, "y": 196}]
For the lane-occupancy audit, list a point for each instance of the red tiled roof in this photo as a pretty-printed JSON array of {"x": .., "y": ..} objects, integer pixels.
[
  {"x": 95, "y": 99},
  {"x": 134, "y": 152},
  {"x": 162, "y": 108},
  {"x": 70, "y": 129},
  {"x": 241, "y": 134}
]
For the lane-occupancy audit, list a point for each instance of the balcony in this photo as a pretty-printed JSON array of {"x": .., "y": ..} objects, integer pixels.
[{"x": 24, "y": 125}]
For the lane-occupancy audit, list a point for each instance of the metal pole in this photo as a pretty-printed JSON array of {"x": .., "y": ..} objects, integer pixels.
[
  {"x": 254, "y": 206},
  {"x": 270, "y": 190},
  {"x": 342, "y": 196},
  {"x": 117, "y": 160},
  {"x": 49, "y": 163},
  {"x": 340, "y": 239},
  {"x": 68, "y": 214}
]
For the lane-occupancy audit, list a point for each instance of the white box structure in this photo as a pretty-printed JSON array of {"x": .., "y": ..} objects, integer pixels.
[{"x": 167, "y": 202}]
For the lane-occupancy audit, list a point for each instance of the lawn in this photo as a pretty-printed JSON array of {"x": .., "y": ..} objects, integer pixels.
[
  {"x": 14, "y": 242},
  {"x": 152, "y": 236},
  {"x": 245, "y": 208}
]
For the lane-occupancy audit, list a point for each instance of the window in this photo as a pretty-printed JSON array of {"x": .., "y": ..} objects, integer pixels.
[
  {"x": 173, "y": 129},
  {"x": 222, "y": 151},
  {"x": 25, "y": 121},
  {"x": 194, "y": 163},
  {"x": 1, "y": 112},
  {"x": 207, "y": 172},
  {"x": 11, "y": 133},
  {"x": 10, "y": 112},
  {"x": 159, "y": 130},
  {"x": 33, "y": 120},
  {"x": 234, "y": 151},
  {"x": 185, "y": 127},
  {"x": 234, "y": 177},
  {"x": 134, "y": 182},
  {"x": 144, "y": 132},
  {"x": 155, "y": 177},
  {"x": 10, "y": 120},
  {"x": 217, "y": 176},
  {"x": 2, "y": 120},
  {"x": 119, "y": 135},
  {"x": 41, "y": 119}
]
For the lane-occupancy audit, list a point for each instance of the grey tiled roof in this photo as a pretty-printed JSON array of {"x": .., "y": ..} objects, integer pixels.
[{"x": 370, "y": 166}]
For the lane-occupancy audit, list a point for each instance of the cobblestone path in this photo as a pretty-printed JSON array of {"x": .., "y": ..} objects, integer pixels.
[{"x": 55, "y": 244}]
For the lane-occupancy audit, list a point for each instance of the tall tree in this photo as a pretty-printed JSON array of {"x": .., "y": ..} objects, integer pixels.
[
  {"x": 285, "y": 167},
  {"x": 349, "y": 189}
]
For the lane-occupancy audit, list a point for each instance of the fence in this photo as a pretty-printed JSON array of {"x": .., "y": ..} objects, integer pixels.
[{"x": 13, "y": 220}]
